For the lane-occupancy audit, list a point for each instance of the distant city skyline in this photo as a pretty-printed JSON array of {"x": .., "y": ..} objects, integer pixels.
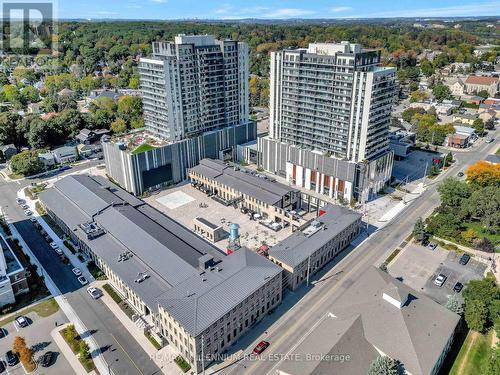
[{"x": 271, "y": 9}]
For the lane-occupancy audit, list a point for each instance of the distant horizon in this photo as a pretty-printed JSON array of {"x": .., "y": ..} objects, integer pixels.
[{"x": 267, "y": 10}]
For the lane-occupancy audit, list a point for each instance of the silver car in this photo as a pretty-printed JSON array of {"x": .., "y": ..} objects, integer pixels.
[{"x": 440, "y": 280}]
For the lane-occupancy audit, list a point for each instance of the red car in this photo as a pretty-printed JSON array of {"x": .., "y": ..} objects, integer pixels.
[{"x": 260, "y": 347}]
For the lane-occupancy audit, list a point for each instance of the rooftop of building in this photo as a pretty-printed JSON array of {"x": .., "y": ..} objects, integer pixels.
[
  {"x": 492, "y": 158},
  {"x": 241, "y": 180},
  {"x": 296, "y": 248},
  {"x": 481, "y": 80},
  {"x": 377, "y": 312},
  {"x": 136, "y": 240}
]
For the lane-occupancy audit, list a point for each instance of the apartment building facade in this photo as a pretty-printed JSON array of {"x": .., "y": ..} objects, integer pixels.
[
  {"x": 332, "y": 101},
  {"x": 193, "y": 85}
]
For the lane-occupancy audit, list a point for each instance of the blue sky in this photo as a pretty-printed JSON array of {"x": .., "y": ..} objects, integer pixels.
[{"x": 283, "y": 9}]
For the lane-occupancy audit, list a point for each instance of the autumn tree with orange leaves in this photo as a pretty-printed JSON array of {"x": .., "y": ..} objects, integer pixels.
[{"x": 484, "y": 174}]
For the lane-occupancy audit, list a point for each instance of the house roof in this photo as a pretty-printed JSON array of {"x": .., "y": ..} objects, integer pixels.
[
  {"x": 480, "y": 80},
  {"x": 296, "y": 248},
  {"x": 494, "y": 159},
  {"x": 361, "y": 320}
]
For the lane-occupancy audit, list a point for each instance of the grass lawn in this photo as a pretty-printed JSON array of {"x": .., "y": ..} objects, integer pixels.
[
  {"x": 43, "y": 309},
  {"x": 474, "y": 355},
  {"x": 143, "y": 148},
  {"x": 494, "y": 238}
]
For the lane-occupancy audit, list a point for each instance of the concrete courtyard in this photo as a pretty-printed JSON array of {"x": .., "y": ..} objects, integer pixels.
[{"x": 184, "y": 203}]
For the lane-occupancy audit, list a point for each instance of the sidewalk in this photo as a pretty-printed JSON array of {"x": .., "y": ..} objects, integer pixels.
[
  {"x": 73, "y": 258},
  {"x": 163, "y": 358},
  {"x": 67, "y": 352},
  {"x": 99, "y": 361}
]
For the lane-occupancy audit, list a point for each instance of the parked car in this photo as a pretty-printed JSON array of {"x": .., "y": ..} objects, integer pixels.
[
  {"x": 76, "y": 271},
  {"x": 440, "y": 280},
  {"x": 59, "y": 251},
  {"x": 22, "y": 322},
  {"x": 28, "y": 212},
  {"x": 432, "y": 246},
  {"x": 458, "y": 287},
  {"x": 425, "y": 242},
  {"x": 489, "y": 140},
  {"x": 12, "y": 358},
  {"x": 460, "y": 174},
  {"x": 2, "y": 367},
  {"x": 54, "y": 245},
  {"x": 3, "y": 333},
  {"x": 261, "y": 346},
  {"x": 464, "y": 259},
  {"x": 47, "y": 359},
  {"x": 83, "y": 280},
  {"x": 20, "y": 201},
  {"x": 25, "y": 206},
  {"x": 94, "y": 292},
  {"x": 33, "y": 220}
]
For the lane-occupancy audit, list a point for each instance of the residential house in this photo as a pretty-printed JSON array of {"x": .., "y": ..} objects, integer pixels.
[
  {"x": 65, "y": 154},
  {"x": 457, "y": 87},
  {"x": 47, "y": 158},
  {"x": 33, "y": 108},
  {"x": 475, "y": 84},
  {"x": 87, "y": 136},
  {"x": 465, "y": 118}
]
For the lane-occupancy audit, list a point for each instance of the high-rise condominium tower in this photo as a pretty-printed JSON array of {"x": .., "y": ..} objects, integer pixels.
[
  {"x": 329, "y": 119},
  {"x": 194, "y": 85}
]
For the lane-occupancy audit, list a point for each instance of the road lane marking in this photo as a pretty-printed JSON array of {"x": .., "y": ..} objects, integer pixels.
[{"x": 123, "y": 349}]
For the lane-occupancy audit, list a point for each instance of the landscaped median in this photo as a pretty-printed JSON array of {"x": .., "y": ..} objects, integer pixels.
[
  {"x": 78, "y": 346},
  {"x": 182, "y": 363}
]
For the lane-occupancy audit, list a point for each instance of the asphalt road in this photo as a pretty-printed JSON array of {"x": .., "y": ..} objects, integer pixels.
[
  {"x": 120, "y": 350},
  {"x": 294, "y": 324}
]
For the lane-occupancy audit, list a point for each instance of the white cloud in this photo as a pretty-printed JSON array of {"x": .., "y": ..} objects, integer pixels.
[
  {"x": 340, "y": 9},
  {"x": 475, "y": 9},
  {"x": 290, "y": 13}
]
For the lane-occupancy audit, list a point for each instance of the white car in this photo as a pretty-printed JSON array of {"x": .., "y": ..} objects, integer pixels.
[
  {"x": 28, "y": 212},
  {"x": 54, "y": 245},
  {"x": 83, "y": 280},
  {"x": 22, "y": 322},
  {"x": 76, "y": 271},
  {"x": 94, "y": 292},
  {"x": 33, "y": 220},
  {"x": 20, "y": 201},
  {"x": 59, "y": 251},
  {"x": 440, "y": 280},
  {"x": 25, "y": 206}
]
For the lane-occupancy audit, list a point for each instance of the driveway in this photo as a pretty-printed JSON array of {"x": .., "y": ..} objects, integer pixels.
[
  {"x": 37, "y": 336},
  {"x": 418, "y": 266}
]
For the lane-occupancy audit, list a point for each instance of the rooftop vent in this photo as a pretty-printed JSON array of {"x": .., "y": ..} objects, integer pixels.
[{"x": 92, "y": 230}]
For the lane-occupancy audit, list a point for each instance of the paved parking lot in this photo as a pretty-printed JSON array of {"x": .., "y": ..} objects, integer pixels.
[
  {"x": 414, "y": 165},
  {"x": 418, "y": 266},
  {"x": 37, "y": 336}
]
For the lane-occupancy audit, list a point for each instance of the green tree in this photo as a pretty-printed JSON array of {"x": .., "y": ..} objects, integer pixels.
[
  {"x": 453, "y": 192},
  {"x": 426, "y": 68},
  {"x": 483, "y": 94},
  {"x": 83, "y": 350},
  {"x": 30, "y": 95},
  {"x": 9, "y": 123},
  {"x": 119, "y": 126},
  {"x": 419, "y": 230},
  {"x": 129, "y": 108},
  {"x": 478, "y": 126},
  {"x": 441, "y": 92},
  {"x": 476, "y": 315},
  {"x": 448, "y": 159},
  {"x": 13, "y": 95},
  {"x": 383, "y": 365},
  {"x": 484, "y": 205},
  {"x": 494, "y": 363},
  {"x": 26, "y": 163}
]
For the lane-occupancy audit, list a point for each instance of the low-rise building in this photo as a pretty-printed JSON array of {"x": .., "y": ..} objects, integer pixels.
[
  {"x": 475, "y": 84},
  {"x": 401, "y": 141},
  {"x": 87, "y": 136},
  {"x": 465, "y": 118},
  {"x": 265, "y": 197},
  {"x": 13, "y": 275},
  {"x": 376, "y": 316},
  {"x": 308, "y": 250},
  {"x": 210, "y": 231},
  {"x": 493, "y": 159},
  {"x": 47, "y": 158},
  {"x": 65, "y": 154},
  {"x": 457, "y": 87},
  {"x": 189, "y": 294}
]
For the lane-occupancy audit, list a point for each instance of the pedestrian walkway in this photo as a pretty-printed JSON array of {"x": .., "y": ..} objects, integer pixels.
[
  {"x": 163, "y": 358},
  {"x": 73, "y": 258},
  {"x": 67, "y": 352}
]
